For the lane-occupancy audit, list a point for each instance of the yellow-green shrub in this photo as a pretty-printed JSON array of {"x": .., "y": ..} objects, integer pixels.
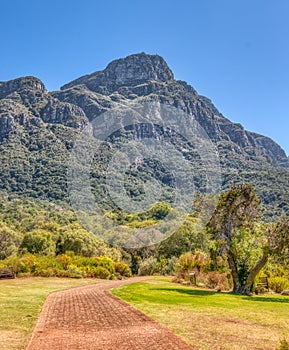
[
  {"x": 122, "y": 269},
  {"x": 102, "y": 272},
  {"x": 278, "y": 284}
]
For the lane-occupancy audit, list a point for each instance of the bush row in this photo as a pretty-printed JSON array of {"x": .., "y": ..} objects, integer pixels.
[{"x": 67, "y": 265}]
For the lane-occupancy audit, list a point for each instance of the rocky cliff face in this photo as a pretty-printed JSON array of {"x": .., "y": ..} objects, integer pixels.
[
  {"x": 40, "y": 126},
  {"x": 142, "y": 75}
]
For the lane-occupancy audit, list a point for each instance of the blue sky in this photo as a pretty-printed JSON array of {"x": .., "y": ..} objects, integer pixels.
[{"x": 234, "y": 52}]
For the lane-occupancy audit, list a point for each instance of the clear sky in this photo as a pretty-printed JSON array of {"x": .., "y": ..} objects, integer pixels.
[{"x": 234, "y": 52}]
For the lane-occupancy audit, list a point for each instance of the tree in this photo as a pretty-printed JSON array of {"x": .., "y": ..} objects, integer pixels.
[
  {"x": 38, "y": 242},
  {"x": 9, "y": 241},
  {"x": 278, "y": 241},
  {"x": 234, "y": 222},
  {"x": 76, "y": 239},
  {"x": 189, "y": 237},
  {"x": 159, "y": 210}
]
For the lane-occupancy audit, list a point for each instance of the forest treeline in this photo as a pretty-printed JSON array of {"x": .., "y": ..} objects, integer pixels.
[{"x": 232, "y": 251}]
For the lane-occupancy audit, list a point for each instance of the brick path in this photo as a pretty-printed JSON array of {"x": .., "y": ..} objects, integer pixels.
[{"x": 90, "y": 318}]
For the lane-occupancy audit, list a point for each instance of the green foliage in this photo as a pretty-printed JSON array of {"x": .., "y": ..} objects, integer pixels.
[
  {"x": 162, "y": 266},
  {"x": 159, "y": 210},
  {"x": 234, "y": 227},
  {"x": 198, "y": 261},
  {"x": 122, "y": 269},
  {"x": 278, "y": 240},
  {"x": 38, "y": 242},
  {"x": 9, "y": 241},
  {"x": 106, "y": 262},
  {"x": 21, "y": 265},
  {"x": 189, "y": 237},
  {"x": 101, "y": 272},
  {"x": 50, "y": 229},
  {"x": 74, "y": 238},
  {"x": 278, "y": 284},
  {"x": 64, "y": 260},
  {"x": 247, "y": 247},
  {"x": 148, "y": 266},
  {"x": 74, "y": 271},
  {"x": 67, "y": 266},
  {"x": 46, "y": 266}
]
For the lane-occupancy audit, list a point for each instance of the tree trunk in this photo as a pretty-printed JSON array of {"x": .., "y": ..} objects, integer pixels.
[
  {"x": 246, "y": 289},
  {"x": 234, "y": 272}
]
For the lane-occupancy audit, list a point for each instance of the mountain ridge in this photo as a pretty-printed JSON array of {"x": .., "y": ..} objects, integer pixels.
[
  {"x": 35, "y": 121},
  {"x": 123, "y": 74}
]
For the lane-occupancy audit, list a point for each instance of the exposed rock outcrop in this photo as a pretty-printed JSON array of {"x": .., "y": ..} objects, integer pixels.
[{"x": 38, "y": 128}]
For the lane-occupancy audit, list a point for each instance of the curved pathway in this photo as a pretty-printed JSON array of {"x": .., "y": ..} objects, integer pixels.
[{"x": 90, "y": 318}]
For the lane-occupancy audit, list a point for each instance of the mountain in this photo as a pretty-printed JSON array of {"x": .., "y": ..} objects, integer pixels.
[{"x": 38, "y": 129}]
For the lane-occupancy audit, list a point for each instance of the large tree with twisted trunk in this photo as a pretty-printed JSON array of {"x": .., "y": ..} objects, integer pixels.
[{"x": 243, "y": 239}]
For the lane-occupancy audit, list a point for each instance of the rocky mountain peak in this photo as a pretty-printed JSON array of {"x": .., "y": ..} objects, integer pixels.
[
  {"x": 129, "y": 71},
  {"x": 42, "y": 127},
  {"x": 139, "y": 67},
  {"x": 19, "y": 84}
]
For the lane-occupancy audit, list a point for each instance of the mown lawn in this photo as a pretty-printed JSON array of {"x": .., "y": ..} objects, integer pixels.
[
  {"x": 210, "y": 320},
  {"x": 20, "y": 303}
]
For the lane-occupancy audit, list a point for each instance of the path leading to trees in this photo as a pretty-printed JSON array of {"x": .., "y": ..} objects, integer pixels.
[{"x": 90, "y": 318}]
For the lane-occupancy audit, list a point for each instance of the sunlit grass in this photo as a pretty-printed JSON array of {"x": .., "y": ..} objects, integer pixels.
[
  {"x": 20, "y": 303},
  {"x": 211, "y": 320}
]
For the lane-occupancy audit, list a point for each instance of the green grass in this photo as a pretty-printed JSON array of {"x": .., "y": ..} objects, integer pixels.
[
  {"x": 211, "y": 320},
  {"x": 20, "y": 303}
]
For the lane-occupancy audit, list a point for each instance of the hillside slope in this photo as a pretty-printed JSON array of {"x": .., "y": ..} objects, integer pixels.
[{"x": 38, "y": 129}]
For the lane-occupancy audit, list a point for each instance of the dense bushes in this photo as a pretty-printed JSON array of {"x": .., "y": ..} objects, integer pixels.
[
  {"x": 9, "y": 241},
  {"x": 67, "y": 265},
  {"x": 151, "y": 266},
  {"x": 278, "y": 284},
  {"x": 195, "y": 268},
  {"x": 45, "y": 239},
  {"x": 38, "y": 242},
  {"x": 122, "y": 269}
]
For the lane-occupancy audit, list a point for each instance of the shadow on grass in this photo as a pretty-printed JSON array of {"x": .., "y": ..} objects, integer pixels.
[
  {"x": 193, "y": 292},
  {"x": 202, "y": 293},
  {"x": 267, "y": 299}
]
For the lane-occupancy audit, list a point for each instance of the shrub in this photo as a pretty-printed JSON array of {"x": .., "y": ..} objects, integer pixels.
[
  {"x": 25, "y": 264},
  {"x": 74, "y": 238},
  {"x": 216, "y": 280},
  {"x": 147, "y": 266},
  {"x": 106, "y": 262},
  {"x": 82, "y": 261},
  {"x": 64, "y": 260},
  {"x": 278, "y": 284},
  {"x": 74, "y": 271},
  {"x": 9, "y": 241},
  {"x": 38, "y": 242},
  {"x": 48, "y": 272},
  {"x": 101, "y": 272},
  {"x": 172, "y": 264},
  {"x": 159, "y": 210},
  {"x": 46, "y": 266},
  {"x": 122, "y": 269},
  {"x": 197, "y": 261},
  {"x": 186, "y": 262},
  {"x": 21, "y": 265}
]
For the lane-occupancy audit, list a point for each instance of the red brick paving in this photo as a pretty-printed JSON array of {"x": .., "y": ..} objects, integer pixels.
[{"x": 90, "y": 318}]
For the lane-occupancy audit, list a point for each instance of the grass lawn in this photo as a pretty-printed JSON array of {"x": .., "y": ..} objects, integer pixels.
[
  {"x": 20, "y": 303},
  {"x": 210, "y": 320}
]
